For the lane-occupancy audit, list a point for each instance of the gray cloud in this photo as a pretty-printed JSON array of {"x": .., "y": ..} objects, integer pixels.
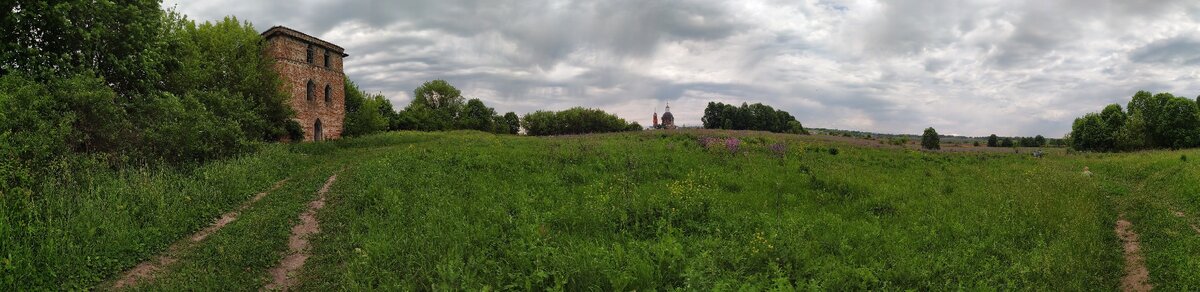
[
  {"x": 973, "y": 67},
  {"x": 1181, "y": 50}
]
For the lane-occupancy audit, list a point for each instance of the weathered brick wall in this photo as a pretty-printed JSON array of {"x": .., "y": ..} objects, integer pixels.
[{"x": 290, "y": 61}]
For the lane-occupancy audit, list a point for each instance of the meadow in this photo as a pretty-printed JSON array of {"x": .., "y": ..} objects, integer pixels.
[{"x": 693, "y": 210}]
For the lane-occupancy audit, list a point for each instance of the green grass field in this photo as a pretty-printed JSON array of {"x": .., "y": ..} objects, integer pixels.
[{"x": 633, "y": 211}]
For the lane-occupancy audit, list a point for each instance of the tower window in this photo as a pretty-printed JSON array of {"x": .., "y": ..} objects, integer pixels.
[
  {"x": 328, "y": 94},
  {"x": 326, "y": 58},
  {"x": 309, "y": 58},
  {"x": 311, "y": 87}
]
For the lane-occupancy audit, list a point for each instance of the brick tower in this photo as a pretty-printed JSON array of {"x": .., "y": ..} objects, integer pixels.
[{"x": 311, "y": 70}]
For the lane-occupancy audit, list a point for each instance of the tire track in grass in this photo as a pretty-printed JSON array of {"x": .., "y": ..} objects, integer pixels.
[
  {"x": 146, "y": 271},
  {"x": 298, "y": 245},
  {"x": 1137, "y": 277}
]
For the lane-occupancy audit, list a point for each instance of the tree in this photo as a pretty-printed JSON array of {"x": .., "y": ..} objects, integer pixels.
[
  {"x": 993, "y": 141},
  {"x": 1007, "y": 142},
  {"x": 512, "y": 122},
  {"x": 930, "y": 139},
  {"x": 117, "y": 40},
  {"x": 1039, "y": 141},
  {"x": 1091, "y": 133},
  {"x": 365, "y": 113},
  {"x": 436, "y": 106},
  {"x": 756, "y": 116},
  {"x": 573, "y": 121},
  {"x": 477, "y": 116},
  {"x": 1180, "y": 123}
]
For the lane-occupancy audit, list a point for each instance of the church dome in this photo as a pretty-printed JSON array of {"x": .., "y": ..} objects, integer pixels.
[{"x": 667, "y": 116}]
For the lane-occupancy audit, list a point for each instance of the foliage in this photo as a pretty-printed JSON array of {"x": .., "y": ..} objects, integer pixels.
[
  {"x": 365, "y": 113},
  {"x": 1008, "y": 142},
  {"x": 436, "y": 106},
  {"x": 118, "y": 40},
  {"x": 439, "y": 106},
  {"x": 512, "y": 123},
  {"x": 130, "y": 81},
  {"x": 477, "y": 116},
  {"x": 993, "y": 141},
  {"x": 574, "y": 121},
  {"x": 1151, "y": 121},
  {"x": 930, "y": 139},
  {"x": 757, "y": 117}
]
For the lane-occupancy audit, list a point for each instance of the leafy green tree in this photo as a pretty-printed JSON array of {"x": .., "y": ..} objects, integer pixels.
[
  {"x": 1007, "y": 142},
  {"x": 477, "y": 116},
  {"x": 512, "y": 122},
  {"x": 225, "y": 58},
  {"x": 365, "y": 113},
  {"x": 1091, "y": 133},
  {"x": 114, "y": 39},
  {"x": 1180, "y": 123},
  {"x": 1039, "y": 141},
  {"x": 756, "y": 116},
  {"x": 574, "y": 121},
  {"x": 436, "y": 106},
  {"x": 993, "y": 141},
  {"x": 930, "y": 139}
]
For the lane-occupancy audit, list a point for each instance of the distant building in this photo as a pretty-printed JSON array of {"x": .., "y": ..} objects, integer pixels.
[
  {"x": 668, "y": 120},
  {"x": 312, "y": 74}
]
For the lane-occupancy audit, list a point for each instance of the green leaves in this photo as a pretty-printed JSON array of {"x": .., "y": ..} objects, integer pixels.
[
  {"x": 930, "y": 139},
  {"x": 574, "y": 121},
  {"x": 1152, "y": 121}
]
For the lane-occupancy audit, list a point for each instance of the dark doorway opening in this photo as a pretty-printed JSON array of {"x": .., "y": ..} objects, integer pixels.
[{"x": 318, "y": 135}]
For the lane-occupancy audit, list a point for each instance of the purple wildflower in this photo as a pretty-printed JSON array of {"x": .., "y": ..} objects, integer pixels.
[
  {"x": 779, "y": 150},
  {"x": 733, "y": 144}
]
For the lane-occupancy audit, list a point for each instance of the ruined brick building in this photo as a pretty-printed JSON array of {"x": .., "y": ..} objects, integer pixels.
[{"x": 311, "y": 70}]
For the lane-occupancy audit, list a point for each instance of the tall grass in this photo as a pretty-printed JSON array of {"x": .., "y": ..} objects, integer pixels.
[
  {"x": 88, "y": 222},
  {"x": 660, "y": 211}
]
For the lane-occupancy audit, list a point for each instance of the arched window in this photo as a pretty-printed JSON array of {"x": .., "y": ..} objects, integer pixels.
[
  {"x": 311, "y": 88},
  {"x": 317, "y": 133},
  {"x": 309, "y": 57},
  {"x": 327, "y": 58},
  {"x": 328, "y": 94}
]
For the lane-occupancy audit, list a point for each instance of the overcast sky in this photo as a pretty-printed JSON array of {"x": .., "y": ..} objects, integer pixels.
[{"x": 968, "y": 67}]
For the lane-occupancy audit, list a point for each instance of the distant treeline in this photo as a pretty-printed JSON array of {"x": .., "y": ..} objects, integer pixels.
[
  {"x": 436, "y": 106},
  {"x": 439, "y": 106},
  {"x": 1150, "y": 121},
  {"x": 756, "y": 117},
  {"x": 573, "y": 121}
]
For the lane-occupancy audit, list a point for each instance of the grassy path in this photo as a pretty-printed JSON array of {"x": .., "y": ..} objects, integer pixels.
[
  {"x": 298, "y": 246},
  {"x": 146, "y": 271}
]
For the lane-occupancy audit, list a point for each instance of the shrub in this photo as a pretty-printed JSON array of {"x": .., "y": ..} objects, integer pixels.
[
  {"x": 833, "y": 151},
  {"x": 930, "y": 139}
]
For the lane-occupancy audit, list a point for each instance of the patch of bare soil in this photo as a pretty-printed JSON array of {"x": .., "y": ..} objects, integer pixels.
[
  {"x": 298, "y": 246},
  {"x": 1180, "y": 214},
  {"x": 1137, "y": 277},
  {"x": 147, "y": 270}
]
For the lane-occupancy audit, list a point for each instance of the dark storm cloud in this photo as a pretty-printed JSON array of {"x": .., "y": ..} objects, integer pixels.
[
  {"x": 1182, "y": 50},
  {"x": 966, "y": 67}
]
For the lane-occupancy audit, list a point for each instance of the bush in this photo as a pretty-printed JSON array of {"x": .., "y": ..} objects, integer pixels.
[{"x": 930, "y": 139}]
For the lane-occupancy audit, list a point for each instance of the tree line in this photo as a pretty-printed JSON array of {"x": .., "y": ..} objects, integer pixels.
[
  {"x": 436, "y": 106},
  {"x": 758, "y": 117},
  {"x": 1149, "y": 121},
  {"x": 1035, "y": 141},
  {"x": 439, "y": 106},
  {"x": 577, "y": 120}
]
